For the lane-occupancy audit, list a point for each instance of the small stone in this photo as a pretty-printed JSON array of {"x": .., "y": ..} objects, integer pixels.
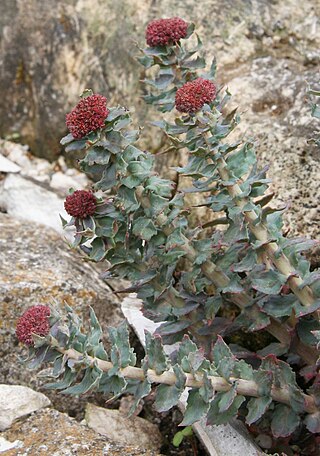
[
  {"x": 5, "y": 445},
  {"x": 17, "y": 401},
  {"x": 119, "y": 428},
  {"x": 6, "y": 166},
  {"x": 61, "y": 181}
]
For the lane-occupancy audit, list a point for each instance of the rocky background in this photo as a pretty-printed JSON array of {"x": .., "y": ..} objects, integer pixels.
[{"x": 267, "y": 52}]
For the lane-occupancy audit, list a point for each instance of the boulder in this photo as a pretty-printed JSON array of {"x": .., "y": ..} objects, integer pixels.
[
  {"x": 54, "y": 433},
  {"x": 33, "y": 189},
  {"x": 17, "y": 401},
  {"x": 122, "y": 429},
  {"x": 271, "y": 97},
  {"x": 25, "y": 198}
]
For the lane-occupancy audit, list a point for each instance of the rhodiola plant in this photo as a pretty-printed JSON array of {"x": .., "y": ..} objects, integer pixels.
[{"x": 188, "y": 278}]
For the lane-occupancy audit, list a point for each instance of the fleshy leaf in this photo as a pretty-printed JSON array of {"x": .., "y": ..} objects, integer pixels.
[
  {"x": 214, "y": 414},
  {"x": 227, "y": 398},
  {"x": 168, "y": 396},
  {"x": 312, "y": 421},
  {"x": 257, "y": 406},
  {"x": 223, "y": 358},
  {"x": 156, "y": 358},
  {"x": 144, "y": 228},
  {"x": 89, "y": 382},
  {"x": 284, "y": 421},
  {"x": 196, "y": 408},
  {"x": 122, "y": 354}
]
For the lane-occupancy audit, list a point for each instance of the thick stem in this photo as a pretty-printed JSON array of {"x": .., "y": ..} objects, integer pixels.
[
  {"x": 244, "y": 387},
  {"x": 242, "y": 300},
  {"x": 282, "y": 263}
]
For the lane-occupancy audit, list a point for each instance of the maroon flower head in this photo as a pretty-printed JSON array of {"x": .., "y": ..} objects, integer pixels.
[
  {"x": 193, "y": 95},
  {"x": 80, "y": 204},
  {"x": 89, "y": 115},
  {"x": 166, "y": 31},
  {"x": 35, "y": 320}
]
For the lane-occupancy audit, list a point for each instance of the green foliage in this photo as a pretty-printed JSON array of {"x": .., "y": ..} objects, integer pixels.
[{"x": 179, "y": 436}]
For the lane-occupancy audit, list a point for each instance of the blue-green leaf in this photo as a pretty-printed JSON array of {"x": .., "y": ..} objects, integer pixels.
[
  {"x": 196, "y": 408},
  {"x": 168, "y": 396},
  {"x": 257, "y": 406},
  {"x": 214, "y": 414},
  {"x": 284, "y": 421},
  {"x": 144, "y": 228},
  {"x": 156, "y": 358}
]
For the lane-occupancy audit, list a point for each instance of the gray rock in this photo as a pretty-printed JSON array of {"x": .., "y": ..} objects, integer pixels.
[
  {"x": 45, "y": 63},
  {"x": 17, "y": 401},
  {"x": 31, "y": 166},
  {"x": 54, "y": 176},
  {"x": 62, "y": 182},
  {"x": 231, "y": 439},
  {"x": 24, "y": 198},
  {"x": 6, "y": 166},
  {"x": 270, "y": 90},
  {"x": 118, "y": 427},
  {"x": 271, "y": 96},
  {"x": 56, "y": 434}
]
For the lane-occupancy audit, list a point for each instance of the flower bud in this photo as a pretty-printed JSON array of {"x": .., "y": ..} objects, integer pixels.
[
  {"x": 80, "y": 204},
  {"x": 166, "y": 31},
  {"x": 193, "y": 95},
  {"x": 87, "y": 116},
  {"x": 35, "y": 320}
]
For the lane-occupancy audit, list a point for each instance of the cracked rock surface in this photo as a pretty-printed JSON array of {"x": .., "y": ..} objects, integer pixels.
[{"x": 54, "y": 433}]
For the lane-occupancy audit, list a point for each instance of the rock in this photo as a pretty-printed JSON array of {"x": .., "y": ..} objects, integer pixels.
[
  {"x": 37, "y": 267},
  {"x": 30, "y": 166},
  {"x": 25, "y": 199},
  {"x": 44, "y": 69},
  {"x": 231, "y": 439},
  {"x": 6, "y": 166},
  {"x": 119, "y": 428},
  {"x": 56, "y": 434},
  {"x": 62, "y": 182},
  {"x": 17, "y": 401},
  {"x": 57, "y": 176},
  {"x": 271, "y": 96},
  {"x": 5, "y": 445}
]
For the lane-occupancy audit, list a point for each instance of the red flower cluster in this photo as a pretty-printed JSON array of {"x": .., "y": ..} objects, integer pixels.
[
  {"x": 193, "y": 95},
  {"x": 35, "y": 320},
  {"x": 80, "y": 204},
  {"x": 89, "y": 115},
  {"x": 164, "y": 31}
]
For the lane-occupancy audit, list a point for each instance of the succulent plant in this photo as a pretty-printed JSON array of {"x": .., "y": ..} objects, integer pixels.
[{"x": 188, "y": 278}]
